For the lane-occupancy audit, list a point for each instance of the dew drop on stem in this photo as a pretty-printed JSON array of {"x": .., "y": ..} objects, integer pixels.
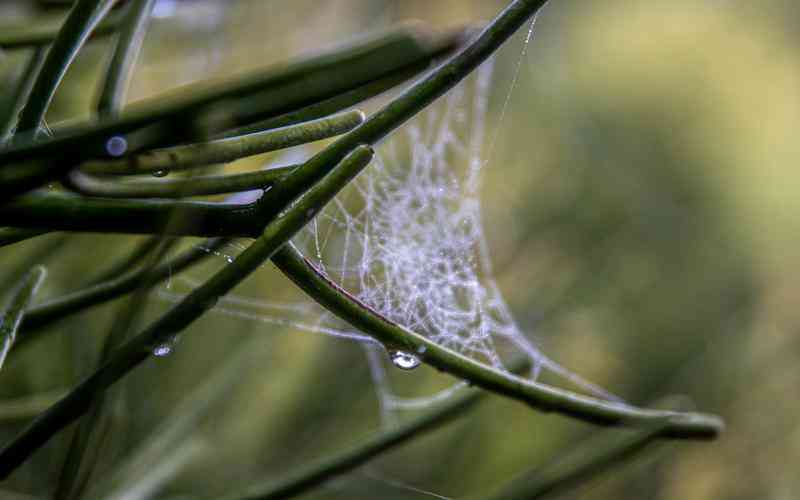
[
  {"x": 161, "y": 173},
  {"x": 165, "y": 348},
  {"x": 116, "y": 146},
  {"x": 404, "y": 360}
]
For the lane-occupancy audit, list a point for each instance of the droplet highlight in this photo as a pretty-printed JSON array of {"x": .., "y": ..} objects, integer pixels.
[
  {"x": 161, "y": 173},
  {"x": 404, "y": 360},
  {"x": 116, "y": 146},
  {"x": 165, "y": 348}
]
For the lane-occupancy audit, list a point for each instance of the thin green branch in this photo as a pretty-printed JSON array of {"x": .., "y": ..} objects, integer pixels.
[
  {"x": 15, "y": 309},
  {"x": 80, "y": 22},
  {"x": 21, "y": 93},
  {"x": 323, "y": 77},
  {"x": 45, "y": 314},
  {"x": 127, "y": 48},
  {"x": 542, "y": 397},
  {"x": 418, "y": 96},
  {"x": 177, "y": 188},
  {"x": 581, "y": 464},
  {"x": 70, "y": 212},
  {"x": 305, "y": 478},
  {"x": 180, "y": 316},
  {"x": 93, "y": 431},
  {"x": 40, "y": 32},
  {"x": 228, "y": 149}
]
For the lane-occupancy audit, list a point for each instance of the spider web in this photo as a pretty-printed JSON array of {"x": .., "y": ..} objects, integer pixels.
[{"x": 406, "y": 239}]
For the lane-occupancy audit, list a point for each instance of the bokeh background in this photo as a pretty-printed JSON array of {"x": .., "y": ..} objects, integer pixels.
[{"x": 642, "y": 207}]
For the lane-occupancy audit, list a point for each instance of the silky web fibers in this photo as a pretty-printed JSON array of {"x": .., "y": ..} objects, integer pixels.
[{"x": 406, "y": 239}]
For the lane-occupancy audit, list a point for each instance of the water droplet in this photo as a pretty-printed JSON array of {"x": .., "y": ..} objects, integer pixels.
[
  {"x": 162, "y": 350},
  {"x": 421, "y": 349},
  {"x": 166, "y": 348},
  {"x": 116, "y": 146},
  {"x": 160, "y": 173},
  {"x": 404, "y": 360}
]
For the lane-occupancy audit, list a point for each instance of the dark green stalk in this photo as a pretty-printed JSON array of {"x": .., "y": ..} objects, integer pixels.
[
  {"x": 92, "y": 432},
  {"x": 69, "y": 212},
  {"x": 127, "y": 48},
  {"x": 329, "y": 106},
  {"x": 228, "y": 149},
  {"x": 418, "y": 96},
  {"x": 80, "y": 22},
  {"x": 543, "y": 397},
  {"x": 15, "y": 309},
  {"x": 305, "y": 478},
  {"x": 22, "y": 92},
  {"x": 177, "y": 188},
  {"x": 45, "y": 314},
  {"x": 39, "y": 32},
  {"x": 581, "y": 464},
  {"x": 180, "y": 316},
  {"x": 11, "y": 235},
  {"x": 323, "y": 77}
]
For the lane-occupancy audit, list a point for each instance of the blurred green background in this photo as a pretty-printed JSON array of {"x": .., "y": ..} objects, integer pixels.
[{"x": 642, "y": 207}]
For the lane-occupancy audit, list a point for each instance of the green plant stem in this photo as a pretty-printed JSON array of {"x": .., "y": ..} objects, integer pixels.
[
  {"x": 228, "y": 149},
  {"x": 542, "y": 397},
  {"x": 129, "y": 43},
  {"x": 177, "y": 188},
  {"x": 180, "y": 316},
  {"x": 328, "y": 106},
  {"x": 69, "y": 212},
  {"x": 323, "y": 77},
  {"x": 418, "y": 96},
  {"x": 45, "y": 314},
  {"x": 21, "y": 93},
  {"x": 80, "y": 22},
  {"x": 93, "y": 431},
  {"x": 15, "y": 310},
  {"x": 589, "y": 459},
  {"x": 307, "y": 477},
  {"x": 39, "y": 32},
  {"x": 11, "y": 235}
]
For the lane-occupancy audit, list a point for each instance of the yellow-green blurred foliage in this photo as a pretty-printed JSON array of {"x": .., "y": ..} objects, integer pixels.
[{"x": 642, "y": 204}]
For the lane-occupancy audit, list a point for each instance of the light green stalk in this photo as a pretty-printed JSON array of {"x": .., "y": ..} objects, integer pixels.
[
  {"x": 12, "y": 316},
  {"x": 80, "y": 22},
  {"x": 177, "y": 188},
  {"x": 228, "y": 149},
  {"x": 139, "y": 348}
]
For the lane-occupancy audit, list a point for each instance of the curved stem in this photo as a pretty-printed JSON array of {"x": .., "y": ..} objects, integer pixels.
[
  {"x": 15, "y": 310},
  {"x": 180, "y": 316},
  {"x": 228, "y": 149},
  {"x": 177, "y": 188},
  {"x": 80, "y": 22},
  {"x": 540, "y": 396},
  {"x": 127, "y": 48},
  {"x": 323, "y": 77}
]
